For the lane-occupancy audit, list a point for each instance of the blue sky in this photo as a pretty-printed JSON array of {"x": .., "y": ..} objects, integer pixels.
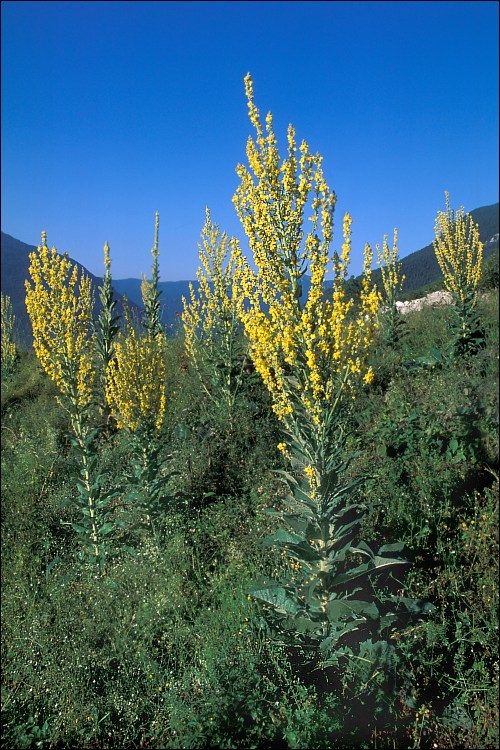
[{"x": 114, "y": 110}]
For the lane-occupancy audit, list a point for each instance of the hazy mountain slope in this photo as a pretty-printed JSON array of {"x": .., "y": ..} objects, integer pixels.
[
  {"x": 420, "y": 268},
  {"x": 172, "y": 293},
  {"x": 15, "y": 265}
]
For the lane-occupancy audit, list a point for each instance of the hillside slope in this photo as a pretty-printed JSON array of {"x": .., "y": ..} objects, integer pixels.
[
  {"x": 15, "y": 265},
  {"x": 420, "y": 268}
]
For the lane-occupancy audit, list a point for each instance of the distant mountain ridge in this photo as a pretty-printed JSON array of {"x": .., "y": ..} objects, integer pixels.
[
  {"x": 420, "y": 268},
  {"x": 15, "y": 271},
  {"x": 172, "y": 293}
]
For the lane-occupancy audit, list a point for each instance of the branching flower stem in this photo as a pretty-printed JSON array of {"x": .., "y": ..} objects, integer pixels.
[{"x": 312, "y": 355}]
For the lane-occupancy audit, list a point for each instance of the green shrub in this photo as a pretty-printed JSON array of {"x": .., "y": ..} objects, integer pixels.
[{"x": 166, "y": 650}]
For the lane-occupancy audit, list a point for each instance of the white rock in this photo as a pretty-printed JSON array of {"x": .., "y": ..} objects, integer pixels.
[{"x": 440, "y": 297}]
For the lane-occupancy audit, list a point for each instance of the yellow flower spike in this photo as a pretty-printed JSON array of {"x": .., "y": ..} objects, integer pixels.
[
  {"x": 459, "y": 252},
  {"x": 60, "y": 310},
  {"x": 211, "y": 316},
  {"x": 8, "y": 348},
  {"x": 107, "y": 257},
  {"x": 390, "y": 267},
  {"x": 310, "y": 351},
  {"x": 136, "y": 381}
]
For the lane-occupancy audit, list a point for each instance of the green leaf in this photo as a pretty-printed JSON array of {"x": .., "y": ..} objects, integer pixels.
[
  {"x": 278, "y": 598},
  {"x": 304, "y": 624},
  {"x": 106, "y": 528},
  {"x": 181, "y": 431},
  {"x": 386, "y": 562},
  {"x": 363, "y": 549},
  {"x": 51, "y": 564},
  {"x": 304, "y": 552},
  {"x": 387, "y": 620},
  {"x": 281, "y": 537},
  {"x": 101, "y": 503},
  {"x": 130, "y": 551},
  {"x": 396, "y": 547},
  {"x": 375, "y": 565},
  {"x": 415, "y": 607},
  {"x": 338, "y": 609},
  {"x": 338, "y": 555},
  {"x": 304, "y": 524},
  {"x": 286, "y": 477}
]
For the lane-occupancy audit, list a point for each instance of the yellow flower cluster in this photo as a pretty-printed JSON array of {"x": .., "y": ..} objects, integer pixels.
[
  {"x": 135, "y": 389},
  {"x": 147, "y": 290},
  {"x": 8, "y": 351},
  {"x": 283, "y": 448},
  {"x": 60, "y": 308},
  {"x": 459, "y": 252},
  {"x": 107, "y": 258},
  {"x": 390, "y": 267},
  {"x": 323, "y": 342},
  {"x": 271, "y": 200},
  {"x": 313, "y": 478},
  {"x": 212, "y": 314}
]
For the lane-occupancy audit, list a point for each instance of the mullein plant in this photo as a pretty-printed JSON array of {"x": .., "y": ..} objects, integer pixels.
[
  {"x": 459, "y": 253},
  {"x": 60, "y": 307},
  {"x": 8, "y": 347},
  {"x": 136, "y": 396},
  {"x": 312, "y": 355},
  {"x": 213, "y": 337},
  {"x": 392, "y": 323},
  {"x": 151, "y": 319},
  {"x": 108, "y": 327}
]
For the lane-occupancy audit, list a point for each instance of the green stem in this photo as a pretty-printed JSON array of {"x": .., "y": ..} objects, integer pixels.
[
  {"x": 84, "y": 452},
  {"x": 146, "y": 487}
]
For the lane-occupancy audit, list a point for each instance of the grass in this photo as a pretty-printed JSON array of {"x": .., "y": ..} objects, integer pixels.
[{"x": 167, "y": 650}]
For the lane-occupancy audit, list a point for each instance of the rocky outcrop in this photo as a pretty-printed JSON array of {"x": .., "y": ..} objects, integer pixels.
[{"x": 433, "y": 299}]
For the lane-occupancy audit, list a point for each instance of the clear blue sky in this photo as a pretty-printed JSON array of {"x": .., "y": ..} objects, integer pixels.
[{"x": 114, "y": 110}]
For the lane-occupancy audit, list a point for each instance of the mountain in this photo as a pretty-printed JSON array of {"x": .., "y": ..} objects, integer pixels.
[
  {"x": 420, "y": 269},
  {"x": 172, "y": 293},
  {"x": 15, "y": 265}
]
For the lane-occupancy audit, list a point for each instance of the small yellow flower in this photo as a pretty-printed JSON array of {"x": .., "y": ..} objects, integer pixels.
[{"x": 369, "y": 376}]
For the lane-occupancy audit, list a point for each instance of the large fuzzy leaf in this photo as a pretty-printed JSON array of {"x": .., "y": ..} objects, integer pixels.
[
  {"x": 377, "y": 564},
  {"x": 340, "y": 609},
  {"x": 304, "y": 624},
  {"x": 278, "y": 598},
  {"x": 282, "y": 537}
]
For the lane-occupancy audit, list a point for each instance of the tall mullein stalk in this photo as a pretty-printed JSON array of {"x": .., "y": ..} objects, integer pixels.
[
  {"x": 60, "y": 307},
  {"x": 459, "y": 253},
  {"x": 151, "y": 292},
  {"x": 392, "y": 323},
  {"x": 312, "y": 356},
  {"x": 213, "y": 337},
  {"x": 136, "y": 395},
  {"x": 107, "y": 330},
  {"x": 8, "y": 350}
]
